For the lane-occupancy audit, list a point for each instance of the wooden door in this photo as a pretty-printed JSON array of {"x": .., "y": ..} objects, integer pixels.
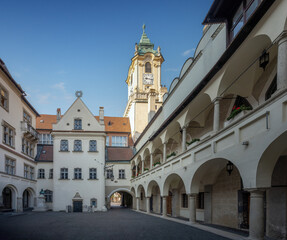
[
  {"x": 169, "y": 204},
  {"x": 77, "y": 206}
]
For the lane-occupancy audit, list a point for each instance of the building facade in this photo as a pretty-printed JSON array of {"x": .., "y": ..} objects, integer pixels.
[
  {"x": 18, "y": 140},
  {"x": 216, "y": 151}
]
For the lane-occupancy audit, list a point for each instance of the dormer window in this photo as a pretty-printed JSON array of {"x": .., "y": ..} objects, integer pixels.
[
  {"x": 148, "y": 67},
  {"x": 78, "y": 124}
]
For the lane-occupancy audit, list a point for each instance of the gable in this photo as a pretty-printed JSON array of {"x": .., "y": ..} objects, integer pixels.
[{"x": 78, "y": 110}]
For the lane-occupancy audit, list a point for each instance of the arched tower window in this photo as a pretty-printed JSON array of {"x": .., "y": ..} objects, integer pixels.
[{"x": 148, "y": 67}]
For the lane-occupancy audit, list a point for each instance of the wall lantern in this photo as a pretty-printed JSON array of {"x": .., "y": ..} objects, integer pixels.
[
  {"x": 229, "y": 167},
  {"x": 264, "y": 60}
]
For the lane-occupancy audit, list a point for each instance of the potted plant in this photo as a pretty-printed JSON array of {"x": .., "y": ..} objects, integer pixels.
[
  {"x": 192, "y": 141},
  {"x": 236, "y": 110},
  {"x": 171, "y": 155}
]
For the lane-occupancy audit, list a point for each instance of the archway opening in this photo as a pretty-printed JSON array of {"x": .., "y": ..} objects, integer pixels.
[
  {"x": 153, "y": 192},
  {"x": 121, "y": 199},
  {"x": 8, "y": 202}
]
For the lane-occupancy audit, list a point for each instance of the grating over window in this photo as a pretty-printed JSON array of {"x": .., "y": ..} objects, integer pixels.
[
  {"x": 64, "y": 146},
  {"x": 78, "y": 124},
  {"x": 77, "y": 145},
  {"x": 93, "y": 145}
]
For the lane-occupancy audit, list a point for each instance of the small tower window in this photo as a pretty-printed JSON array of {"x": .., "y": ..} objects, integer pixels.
[
  {"x": 148, "y": 67},
  {"x": 78, "y": 124}
]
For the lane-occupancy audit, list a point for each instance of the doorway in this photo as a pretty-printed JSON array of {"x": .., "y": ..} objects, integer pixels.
[{"x": 77, "y": 206}]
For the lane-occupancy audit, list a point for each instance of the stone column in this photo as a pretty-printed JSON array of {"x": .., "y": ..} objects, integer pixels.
[
  {"x": 136, "y": 170},
  {"x": 282, "y": 62},
  {"x": 164, "y": 206},
  {"x": 192, "y": 208},
  {"x": 164, "y": 152},
  {"x": 151, "y": 161},
  {"x": 148, "y": 204},
  {"x": 183, "y": 145},
  {"x": 216, "y": 115},
  {"x": 138, "y": 203},
  {"x": 256, "y": 215},
  {"x": 19, "y": 204}
]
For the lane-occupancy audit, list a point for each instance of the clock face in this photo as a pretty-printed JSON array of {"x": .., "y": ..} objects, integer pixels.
[{"x": 147, "y": 78}]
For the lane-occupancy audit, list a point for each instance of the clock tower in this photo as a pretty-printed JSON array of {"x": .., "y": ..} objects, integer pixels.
[{"x": 145, "y": 91}]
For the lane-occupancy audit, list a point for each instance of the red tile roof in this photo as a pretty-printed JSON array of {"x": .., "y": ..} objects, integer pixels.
[
  {"x": 119, "y": 153},
  {"x": 112, "y": 124}
]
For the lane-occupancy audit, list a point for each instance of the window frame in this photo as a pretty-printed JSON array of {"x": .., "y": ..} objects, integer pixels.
[
  {"x": 10, "y": 165},
  {"x": 93, "y": 173},
  {"x": 78, "y": 126},
  {"x": 28, "y": 172},
  {"x": 51, "y": 173},
  {"x": 41, "y": 173},
  {"x": 28, "y": 147},
  {"x": 119, "y": 141},
  {"x": 64, "y": 174},
  {"x": 48, "y": 195},
  {"x": 78, "y": 145},
  {"x": 184, "y": 200},
  {"x": 77, "y": 173},
  {"x": 122, "y": 174},
  {"x": 93, "y": 147},
  {"x": 64, "y": 148},
  {"x": 5, "y": 104},
  {"x": 27, "y": 117},
  {"x": 10, "y": 133},
  {"x": 147, "y": 67},
  {"x": 109, "y": 173}
]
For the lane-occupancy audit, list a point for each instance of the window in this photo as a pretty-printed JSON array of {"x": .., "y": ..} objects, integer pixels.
[
  {"x": 122, "y": 174},
  {"x": 93, "y": 173},
  {"x": 184, "y": 200},
  {"x": 110, "y": 173},
  {"x": 107, "y": 141},
  {"x": 78, "y": 124},
  {"x": 243, "y": 13},
  {"x": 27, "y": 117},
  {"x": 119, "y": 141},
  {"x": 48, "y": 195},
  {"x": 45, "y": 139},
  {"x": 272, "y": 88},
  {"x": 3, "y": 98},
  {"x": 148, "y": 67},
  {"x": 28, "y": 147},
  {"x": 64, "y": 146},
  {"x": 10, "y": 166},
  {"x": 64, "y": 173},
  {"x": 93, "y": 145},
  {"x": 77, "y": 173},
  {"x": 51, "y": 173},
  {"x": 201, "y": 200},
  {"x": 41, "y": 173},
  {"x": 94, "y": 202},
  {"x": 8, "y": 134},
  {"x": 77, "y": 145},
  {"x": 28, "y": 172}
]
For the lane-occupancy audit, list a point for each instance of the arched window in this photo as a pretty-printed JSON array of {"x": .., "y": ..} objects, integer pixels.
[{"x": 148, "y": 67}]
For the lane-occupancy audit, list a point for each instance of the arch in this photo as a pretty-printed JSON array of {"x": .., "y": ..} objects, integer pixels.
[
  {"x": 122, "y": 190},
  {"x": 150, "y": 186},
  {"x": 185, "y": 66},
  {"x": 173, "y": 84},
  {"x": 268, "y": 160},
  {"x": 171, "y": 180},
  {"x": 139, "y": 189},
  {"x": 244, "y": 85},
  {"x": 13, "y": 196}
]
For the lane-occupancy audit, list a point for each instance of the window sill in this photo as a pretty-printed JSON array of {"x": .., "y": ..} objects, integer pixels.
[
  {"x": 41, "y": 178},
  {"x": 78, "y": 151},
  {"x": 121, "y": 178},
  {"x": 8, "y": 145},
  {"x": 93, "y": 151},
  {"x": 64, "y": 178},
  {"x": 77, "y": 179},
  {"x": 92, "y": 179},
  {"x": 64, "y": 151}
]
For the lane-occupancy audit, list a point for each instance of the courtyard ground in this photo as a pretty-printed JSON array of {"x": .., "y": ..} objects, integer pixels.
[{"x": 117, "y": 224}]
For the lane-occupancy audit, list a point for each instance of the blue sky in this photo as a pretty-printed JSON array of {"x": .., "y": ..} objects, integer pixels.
[{"x": 54, "y": 48}]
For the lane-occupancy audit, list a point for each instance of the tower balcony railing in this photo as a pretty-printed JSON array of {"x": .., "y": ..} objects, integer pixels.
[{"x": 29, "y": 131}]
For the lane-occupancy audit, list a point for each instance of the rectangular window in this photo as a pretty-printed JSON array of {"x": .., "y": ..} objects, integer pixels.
[
  {"x": 110, "y": 174},
  {"x": 78, "y": 124},
  {"x": 119, "y": 141},
  {"x": 93, "y": 145},
  {"x": 122, "y": 174},
  {"x": 28, "y": 147},
  {"x": 48, "y": 195},
  {"x": 3, "y": 98},
  {"x": 45, "y": 139},
  {"x": 64, "y": 173},
  {"x": 77, "y": 145},
  {"x": 77, "y": 173},
  {"x": 184, "y": 200},
  {"x": 93, "y": 173},
  {"x": 8, "y": 134},
  {"x": 64, "y": 146},
  {"x": 51, "y": 173},
  {"x": 27, "y": 117},
  {"x": 10, "y": 166},
  {"x": 107, "y": 141},
  {"x": 28, "y": 172},
  {"x": 41, "y": 173}
]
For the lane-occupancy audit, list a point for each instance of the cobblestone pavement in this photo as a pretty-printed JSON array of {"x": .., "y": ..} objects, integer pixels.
[{"x": 114, "y": 224}]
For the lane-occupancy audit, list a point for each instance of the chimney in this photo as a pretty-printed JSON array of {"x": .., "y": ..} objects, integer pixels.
[
  {"x": 151, "y": 104},
  {"x": 101, "y": 116},
  {"x": 58, "y": 114}
]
